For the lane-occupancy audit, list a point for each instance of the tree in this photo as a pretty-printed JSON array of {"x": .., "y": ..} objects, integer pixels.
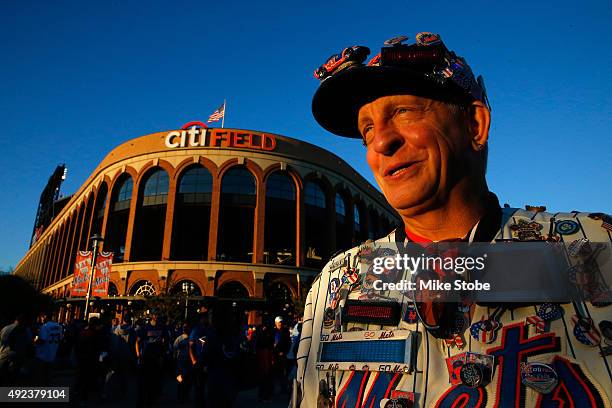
[{"x": 18, "y": 297}]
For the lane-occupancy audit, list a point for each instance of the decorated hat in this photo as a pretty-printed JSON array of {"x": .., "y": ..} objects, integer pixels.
[{"x": 424, "y": 68}]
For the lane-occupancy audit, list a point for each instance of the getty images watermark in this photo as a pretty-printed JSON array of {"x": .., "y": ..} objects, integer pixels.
[
  {"x": 443, "y": 264},
  {"x": 504, "y": 271}
]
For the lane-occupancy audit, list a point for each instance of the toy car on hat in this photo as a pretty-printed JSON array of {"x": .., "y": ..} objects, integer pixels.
[{"x": 351, "y": 55}]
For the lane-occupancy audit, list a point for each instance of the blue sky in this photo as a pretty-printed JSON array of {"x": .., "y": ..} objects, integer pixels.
[{"x": 79, "y": 78}]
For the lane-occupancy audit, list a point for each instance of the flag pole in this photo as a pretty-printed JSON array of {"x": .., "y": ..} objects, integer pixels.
[{"x": 223, "y": 118}]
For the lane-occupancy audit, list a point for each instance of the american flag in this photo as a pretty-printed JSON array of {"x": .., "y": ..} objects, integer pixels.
[
  {"x": 585, "y": 332},
  {"x": 218, "y": 114},
  {"x": 537, "y": 321}
]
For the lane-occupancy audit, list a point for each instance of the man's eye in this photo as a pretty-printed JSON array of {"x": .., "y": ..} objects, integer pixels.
[
  {"x": 400, "y": 111},
  {"x": 365, "y": 132}
]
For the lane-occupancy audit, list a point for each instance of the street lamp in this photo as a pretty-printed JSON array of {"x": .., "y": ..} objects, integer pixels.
[
  {"x": 95, "y": 239},
  {"x": 187, "y": 288}
]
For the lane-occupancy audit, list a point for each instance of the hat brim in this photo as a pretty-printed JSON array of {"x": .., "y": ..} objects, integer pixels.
[{"x": 336, "y": 103}]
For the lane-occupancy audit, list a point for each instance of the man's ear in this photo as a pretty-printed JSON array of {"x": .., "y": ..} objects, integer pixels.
[{"x": 480, "y": 122}]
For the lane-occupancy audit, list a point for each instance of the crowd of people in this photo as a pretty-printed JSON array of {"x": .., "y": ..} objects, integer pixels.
[{"x": 210, "y": 360}]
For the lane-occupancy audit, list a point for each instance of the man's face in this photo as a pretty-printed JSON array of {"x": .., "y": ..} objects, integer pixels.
[{"x": 416, "y": 149}]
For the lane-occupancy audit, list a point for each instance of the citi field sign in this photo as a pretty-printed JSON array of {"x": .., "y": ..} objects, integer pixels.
[{"x": 197, "y": 134}]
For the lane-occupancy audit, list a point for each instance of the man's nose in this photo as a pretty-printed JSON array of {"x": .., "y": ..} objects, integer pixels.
[{"x": 387, "y": 140}]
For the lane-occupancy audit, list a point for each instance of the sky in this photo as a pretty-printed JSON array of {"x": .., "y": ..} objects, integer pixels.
[{"x": 79, "y": 78}]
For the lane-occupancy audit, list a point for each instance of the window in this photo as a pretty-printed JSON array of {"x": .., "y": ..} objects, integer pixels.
[
  {"x": 340, "y": 209},
  {"x": 195, "y": 186},
  {"x": 343, "y": 228},
  {"x": 280, "y": 225},
  {"x": 192, "y": 215},
  {"x": 124, "y": 194},
  {"x": 118, "y": 217},
  {"x": 280, "y": 186},
  {"x": 156, "y": 188},
  {"x": 318, "y": 226},
  {"x": 236, "y": 216},
  {"x": 148, "y": 238},
  {"x": 100, "y": 206},
  {"x": 315, "y": 195}
]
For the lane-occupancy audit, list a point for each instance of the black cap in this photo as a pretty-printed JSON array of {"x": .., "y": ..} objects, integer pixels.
[{"x": 426, "y": 68}]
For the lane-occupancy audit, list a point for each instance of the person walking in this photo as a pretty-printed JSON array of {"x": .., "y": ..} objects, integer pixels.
[
  {"x": 180, "y": 348},
  {"x": 151, "y": 344},
  {"x": 200, "y": 339},
  {"x": 47, "y": 342},
  {"x": 280, "y": 348}
]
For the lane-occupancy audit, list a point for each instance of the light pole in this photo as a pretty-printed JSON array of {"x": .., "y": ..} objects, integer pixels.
[
  {"x": 95, "y": 239},
  {"x": 187, "y": 290}
]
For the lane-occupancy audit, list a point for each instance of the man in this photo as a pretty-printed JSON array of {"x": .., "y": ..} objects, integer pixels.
[
  {"x": 151, "y": 345},
  {"x": 114, "y": 325},
  {"x": 16, "y": 346},
  {"x": 47, "y": 342},
  {"x": 280, "y": 348},
  {"x": 180, "y": 347},
  {"x": 201, "y": 340},
  {"x": 91, "y": 344},
  {"x": 424, "y": 120}
]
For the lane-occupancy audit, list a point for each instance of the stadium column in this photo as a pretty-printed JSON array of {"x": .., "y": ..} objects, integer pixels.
[
  {"x": 214, "y": 217},
  {"x": 170, "y": 205},
  {"x": 260, "y": 222},
  {"x": 258, "y": 285},
  {"x": 131, "y": 219}
]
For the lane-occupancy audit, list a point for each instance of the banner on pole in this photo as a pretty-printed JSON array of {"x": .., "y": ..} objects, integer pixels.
[
  {"x": 82, "y": 267},
  {"x": 102, "y": 274}
]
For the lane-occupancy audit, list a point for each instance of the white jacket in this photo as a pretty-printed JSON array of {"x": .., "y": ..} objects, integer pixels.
[{"x": 584, "y": 376}]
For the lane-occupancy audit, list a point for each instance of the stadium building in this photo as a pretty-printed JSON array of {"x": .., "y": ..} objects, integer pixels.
[{"x": 212, "y": 212}]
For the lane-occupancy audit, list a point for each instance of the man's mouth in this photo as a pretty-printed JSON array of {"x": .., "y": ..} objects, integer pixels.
[{"x": 397, "y": 170}]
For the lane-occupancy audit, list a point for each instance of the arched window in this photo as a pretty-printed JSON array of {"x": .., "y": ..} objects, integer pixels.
[
  {"x": 343, "y": 227},
  {"x": 143, "y": 288},
  {"x": 233, "y": 290},
  {"x": 192, "y": 215},
  {"x": 148, "y": 237},
  {"x": 361, "y": 225},
  {"x": 74, "y": 247},
  {"x": 317, "y": 225},
  {"x": 86, "y": 223},
  {"x": 186, "y": 288},
  {"x": 279, "y": 234},
  {"x": 374, "y": 227},
  {"x": 118, "y": 217},
  {"x": 236, "y": 216},
  {"x": 98, "y": 214},
  {"x": 278, "y": 293}
]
